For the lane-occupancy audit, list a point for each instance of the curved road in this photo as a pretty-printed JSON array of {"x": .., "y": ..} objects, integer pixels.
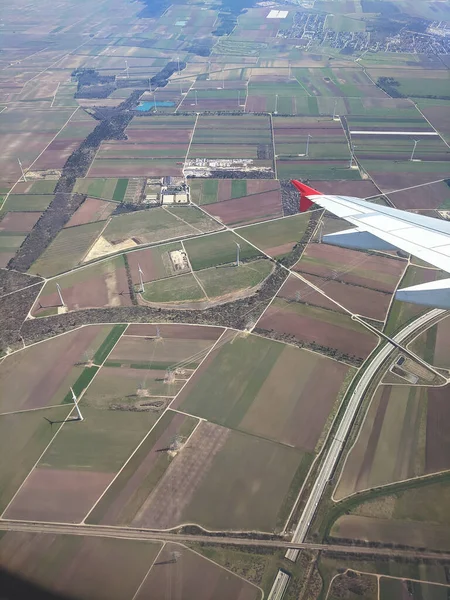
[{"x": 344, "y": 427}]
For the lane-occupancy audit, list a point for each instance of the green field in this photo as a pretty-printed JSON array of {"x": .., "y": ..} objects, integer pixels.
[
  {"x": 182, "y": 288},
  {"x": 277, "y": 234},
  {"x": 101, "y": 187},
  {"x": 217, "y": 249},
  {"x": 204, "y": 191},
  {"x": 67, "y": 250},
  {"x": 319, "y": 169},
  {"x": 120, "y": 190},
  {"x": 27, "y": 202},
  {"x": 218, "y": 281},
  {"x": 26, "y": 436}
]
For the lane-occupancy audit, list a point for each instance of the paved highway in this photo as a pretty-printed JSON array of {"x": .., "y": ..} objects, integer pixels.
[
  {"x": 167, "y": 536},
  {"x": 344, "y": 427}
]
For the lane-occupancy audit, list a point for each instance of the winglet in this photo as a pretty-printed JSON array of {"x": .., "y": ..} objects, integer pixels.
[{"x": 305, "y": 191}]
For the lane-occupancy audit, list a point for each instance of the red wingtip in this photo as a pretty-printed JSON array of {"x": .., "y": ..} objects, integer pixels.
[{"x": 305, "y": 191}]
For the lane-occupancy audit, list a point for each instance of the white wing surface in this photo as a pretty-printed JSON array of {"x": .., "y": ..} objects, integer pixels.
[{"x": 384, "y": 228}]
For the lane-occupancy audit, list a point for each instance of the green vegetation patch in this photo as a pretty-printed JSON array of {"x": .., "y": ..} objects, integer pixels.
[
  {"x": 218, "y": 281},
  {"x": 278, "y": 233},
  {"x": 109, "y": 343},
  {"x": 121, "y": 188},
  {"x": 81, "y": 384},
  {"x": 182, "y": 288},
  {"x": 217, "y": 249},
  {"x": 27, "y": 203}
]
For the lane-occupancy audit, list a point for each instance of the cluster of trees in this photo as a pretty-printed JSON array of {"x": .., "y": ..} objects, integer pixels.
[{"x": 93, "y": 85}]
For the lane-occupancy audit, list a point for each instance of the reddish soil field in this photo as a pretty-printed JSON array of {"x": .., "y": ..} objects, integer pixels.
[
  {"x": 439, "y": 117},
  {"x": 389, "y": 182},
  {"x": 359, "y": 189},
  {"x": 58, "y": 495},
  {"x": 19, "y": 221},
  {"x": 256, "y": 104},
  {"x": 317, "y": 399},
  {"x": 90, "y": 211},
  {"x": 256, "y": 186},
  {"x": 193, "y": 576},
  {"x": 248, "y": 209},
  {"x": 184, "y": 332},
  {"x": 56, "y": 154},
  {"x": 307, "y": 329},
  {"x": 33, "y": 377},
  {"x": 428, "y": 197},
  {"x": 349, "y": 264},
  {"x": 151, "y": 268},
  {"x": 211, "y": 104},
  {"x": 438, "y": 430},
  {"x": 95, "y": 292},
  {"x": 114, "y": 168},
  {"x": 224, "y": 190},
  {"x": 362, "y": 301},
  {"x": 127, "y": 150},
  {"x": 165, "y": 505}
]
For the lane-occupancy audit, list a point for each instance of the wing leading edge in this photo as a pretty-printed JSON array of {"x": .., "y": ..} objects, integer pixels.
[{"x": 384, "y": 228}]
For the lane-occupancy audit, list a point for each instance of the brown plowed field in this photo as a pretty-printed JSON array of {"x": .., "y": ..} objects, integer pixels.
[
  {"x": 249, "y": 209},
  {"x": 224, "y": 190},
  {"x": 438, "y": 430},
  {"x": 19, "y": 221},
  {"x": 351, "y": 266},
  {"x": 389, "y": 182},
  {"x": 256, "y": 104},
  {"x": 313, "y": 330},
  {"x": 56, "y": 154},
  {"x": 359, "y": 300},
  {"x": 131, "y": 349},
  {"x": 185, "y": 332},
  {"x": 359, "y": 189},
  {"x": 165, "y": 505},
  {"x": 58, "y": 495},
  {"x": 156, "y": 136},
  {"x": 429, "y": 197},
  {"x": 105, "y": 289},
  {"x": 5, "y": 257},
  {"x": 151, "y": 265},
  {"x": 442, "y": 349},
  {"x": 31, "y": 378},
  {"x": 193, "y": 576},
  {"x": 90, "y": 211}
]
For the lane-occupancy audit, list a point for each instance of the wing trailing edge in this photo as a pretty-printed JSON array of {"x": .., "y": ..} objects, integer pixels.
[
  {"x": 356, "y": 239},
  {"x": 434, "y": 293}
]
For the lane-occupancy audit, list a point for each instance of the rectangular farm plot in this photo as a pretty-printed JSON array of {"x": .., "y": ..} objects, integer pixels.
[
  {"x": 84, "y": 567},
  {"x": 433, "y": 344},
  {"x": 403, "y": 436},
  {"x": 98, "y": 187},
  {"x": 216, "y": 583},
  {"x": 131, "y": 492},
  {"x": 27, "y": 203},
  {"x": 179, "y": 289},
  {"x": 277, "y": 238},
  {"x": 237, "y": 384},
  {"x": 93, "y": 452},
  {"x": 67, "y": 250},
  {"x": 90, "y": 211},
  {"x": 319, "y": 329},
  {"x": 155, "y": 263},
  {"x": 168, "y": 330},
  {"x": 226, "y": 281},
  {"x": 42, "y": 374},
  {"x": 217, "y": 249},
  {"x": 340, "y": 296},
  {"x": 327, "y": 138},
  {"x": 351, "y": 266},
  {"x": 100, "y": 285},
  {"x": 25, "y": 435},
  {"x": 14, "y": 223}
]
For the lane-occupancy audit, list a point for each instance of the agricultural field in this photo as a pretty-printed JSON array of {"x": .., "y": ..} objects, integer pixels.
[
  {"x": 350, "y": 586},
  {"x": 226, "y": 137},
  {"x": 319, "y": 329},
  {"x": 426, "y": 197},
  {"x": 90, "y": 211},
  {"x": 29, "y": 378},
  {"x": 212, "y": 95},
  {"x": 401, "y": 313},
  {"x": 277, "y": 238},
  {"x": 327, "y": 141},
  {"x": 218, "y": 249},
  {"x": 149, "y": 151},
  {"x": 275, "y": 94},
  {"x": 27, "y": 202},
  {"x": 149, "y": 226},
  {"x": 432, "y": 344},
  {"x": 105, "y": 189},
  {"x": 403, "y": 436},
  {"x": 100, "y": 285},
  {"x": 244, "y": 374},
  {"x": 238, "y": 201},
  {"x": 391, "y": 176},
  {"x": 416, "y": 513},
  {"x": 86, "y": 567},
  {"x": 68, "y": 249}
]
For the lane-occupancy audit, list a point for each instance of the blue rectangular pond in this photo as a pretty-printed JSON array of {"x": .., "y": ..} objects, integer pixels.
[{"x": 146, "y": 106}]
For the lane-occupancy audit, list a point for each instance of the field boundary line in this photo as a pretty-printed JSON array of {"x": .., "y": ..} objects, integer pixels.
[
  {"x": 411, "y": 187},
  {"x": 273, "y": 148},
  {"x": 180, "y": 219},
  {"x": 163, "y": 545},
  {"x": 15, "y": 412},
  {"x": 39, "y": 156},
  {"x": 274, "y": 219},
  {"x": 38, "y": 460},
  {"x": 150, "y": 430},
  {"x": 24, "y": 288},
  {"x": 447, "y": 585},
  {"x": 54, "y": 95},
  {"x": 431, "y": 125},
  {"x": 107, "y": 222},
  {"x": 190, "y": 141},
  {"x": 199, "y": 283},
  {"x": 391, "y": 301}
]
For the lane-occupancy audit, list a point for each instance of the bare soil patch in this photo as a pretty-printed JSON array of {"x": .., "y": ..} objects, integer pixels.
[
  {"x": 19, "y": 221},
  {"x": 90, "y": 211},
  {"x": 248, "y": 209},
  {"x": 438, "y": 430},
  {"x": 185, "y": 332}
]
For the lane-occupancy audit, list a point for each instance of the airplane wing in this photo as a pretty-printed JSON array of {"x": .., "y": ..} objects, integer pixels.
[{"x": 384, "y": 228}]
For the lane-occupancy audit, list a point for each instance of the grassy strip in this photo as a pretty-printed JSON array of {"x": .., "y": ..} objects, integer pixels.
[
  {"x": 109, "y": 343},
  {"x": 155, "y": 365},
  {"x": 81, "y": 384},
  {"x": 120, "y": 189},
  {"x": 294, "y": 489}
]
